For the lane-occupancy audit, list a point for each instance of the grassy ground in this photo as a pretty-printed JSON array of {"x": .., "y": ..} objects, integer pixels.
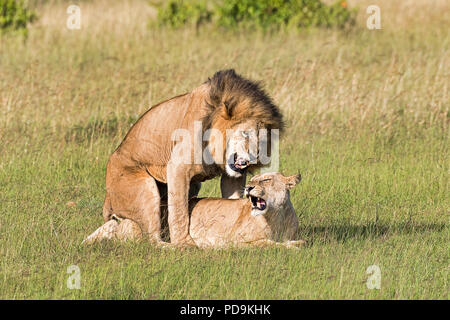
[{"x": 368, "y": 125}]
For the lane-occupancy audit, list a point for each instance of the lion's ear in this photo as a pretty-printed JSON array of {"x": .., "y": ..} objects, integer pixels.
[{"x": 292, "y": 181}]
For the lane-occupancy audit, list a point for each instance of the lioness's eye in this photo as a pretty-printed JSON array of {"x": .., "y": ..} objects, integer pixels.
[{"x": 244, "y": 134}]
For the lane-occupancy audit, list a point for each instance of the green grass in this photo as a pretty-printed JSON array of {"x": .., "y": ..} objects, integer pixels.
[{"x": 367, "y": 114}]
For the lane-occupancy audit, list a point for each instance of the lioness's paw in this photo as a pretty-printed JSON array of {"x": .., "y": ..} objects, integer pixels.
[{"x": 173, "y": 246}]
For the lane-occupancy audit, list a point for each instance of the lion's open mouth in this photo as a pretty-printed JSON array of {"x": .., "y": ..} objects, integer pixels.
[
  {"x": 237, "y": 164},
  {"x": 258, "y": 203}
]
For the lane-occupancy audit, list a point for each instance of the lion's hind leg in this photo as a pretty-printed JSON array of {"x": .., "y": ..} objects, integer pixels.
[{"x": 135, "y": 196}]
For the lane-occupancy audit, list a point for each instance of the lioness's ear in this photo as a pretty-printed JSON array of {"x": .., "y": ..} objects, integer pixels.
[{"x": 292, "y": 181}]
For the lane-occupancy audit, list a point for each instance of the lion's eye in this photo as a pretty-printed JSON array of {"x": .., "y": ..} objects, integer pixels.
[
  {"x": 266, "y": 180},
  {"x": 244, "y": 134}
]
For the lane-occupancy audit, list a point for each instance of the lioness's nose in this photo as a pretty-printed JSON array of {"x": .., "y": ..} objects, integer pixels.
[{"x": 249, "y": 188}]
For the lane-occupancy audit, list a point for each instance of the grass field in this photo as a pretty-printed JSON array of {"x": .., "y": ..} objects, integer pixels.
[{"x": 368, "y": 128}]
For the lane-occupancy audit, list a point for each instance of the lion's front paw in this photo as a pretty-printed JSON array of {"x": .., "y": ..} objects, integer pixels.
[
  {"x": 178, "y": 245},
  {"x": 187, "y": 242},
  {"x": 164, "y": 245}
]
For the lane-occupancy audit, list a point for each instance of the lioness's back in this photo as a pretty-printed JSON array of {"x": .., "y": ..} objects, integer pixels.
[{"x": 216, "y": 221}]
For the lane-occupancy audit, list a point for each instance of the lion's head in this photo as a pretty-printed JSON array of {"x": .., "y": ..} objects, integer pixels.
[
  {"x": 269, "y": 192},
  {"x": 239, "y": 109}
]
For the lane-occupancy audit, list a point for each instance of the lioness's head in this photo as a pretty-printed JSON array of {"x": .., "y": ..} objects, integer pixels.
[
  {"x": 239, "y": 109},
  {"x": 269, "y": 192}
]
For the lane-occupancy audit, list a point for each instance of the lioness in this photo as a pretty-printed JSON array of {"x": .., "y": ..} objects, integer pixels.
[
  {"x": 265, "y": 217},
  {"x": 146, "y": 166}
]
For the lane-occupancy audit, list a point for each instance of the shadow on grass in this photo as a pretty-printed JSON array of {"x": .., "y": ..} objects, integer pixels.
[{"x": 345, "y": 232}]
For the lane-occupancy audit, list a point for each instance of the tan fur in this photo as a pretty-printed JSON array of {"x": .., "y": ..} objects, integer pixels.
[
  {"x": 115, "y": 229},
  {"x": 216, "y": 223},
  {"x": 144, "y": 170}
]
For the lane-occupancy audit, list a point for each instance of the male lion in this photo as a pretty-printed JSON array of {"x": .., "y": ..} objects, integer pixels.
[
  {"x": 264, "y": 218},
  {"x": 146, "y": 166}
]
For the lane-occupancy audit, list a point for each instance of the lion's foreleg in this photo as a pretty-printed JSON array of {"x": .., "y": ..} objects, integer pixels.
[{"x": 178, "y": 183}]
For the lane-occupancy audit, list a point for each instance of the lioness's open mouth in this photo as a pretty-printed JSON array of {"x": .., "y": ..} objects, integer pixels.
[
  {"x": 238, "y": 165},
  {"x": 258, "y": 203}
]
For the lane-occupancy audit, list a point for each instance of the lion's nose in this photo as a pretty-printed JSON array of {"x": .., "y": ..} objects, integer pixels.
[{"x": 248, "y": 189}]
